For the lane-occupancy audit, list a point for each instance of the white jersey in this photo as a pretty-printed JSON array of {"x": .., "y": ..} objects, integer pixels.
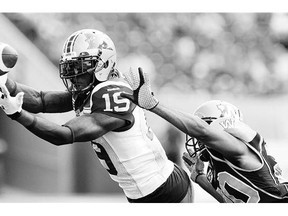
[{"x": 132, "y": 155}]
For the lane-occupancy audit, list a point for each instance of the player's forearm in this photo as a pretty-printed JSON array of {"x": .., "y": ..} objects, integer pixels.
[
  {"x": 44, "y": 129},
  {"x": 32, "y": 99},
  {"x": 185, "y": 122},
  {"x": 203, "y": 182},
  {"x": 36, "y": 102}
]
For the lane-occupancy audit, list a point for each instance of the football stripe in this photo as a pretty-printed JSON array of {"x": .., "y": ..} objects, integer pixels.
[
  {"x": 74, "y": 42},
  {"x": 68, "y": 44},
  {"x": 71, "y": 42},
  {"x": 2, "y": 65}
]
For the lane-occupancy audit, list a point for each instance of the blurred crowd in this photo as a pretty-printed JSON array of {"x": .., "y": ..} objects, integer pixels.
[{"x": 213, "y": 52}]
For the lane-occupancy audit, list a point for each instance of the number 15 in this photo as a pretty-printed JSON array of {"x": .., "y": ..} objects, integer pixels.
[{"x": 117, "y": 100}]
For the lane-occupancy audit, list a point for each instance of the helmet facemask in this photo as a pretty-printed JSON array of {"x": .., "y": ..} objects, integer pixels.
[
  {"x": 195, "y": 147},
  {"x": 72, "y": 70}
]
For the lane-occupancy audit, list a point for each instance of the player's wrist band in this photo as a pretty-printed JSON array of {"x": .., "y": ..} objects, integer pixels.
[
  {"x": 15, "y": 115},
  {"x": 72, "y": 133},
  {"x": 154, "y": 105},
  {"x": 43, "y": 102}
]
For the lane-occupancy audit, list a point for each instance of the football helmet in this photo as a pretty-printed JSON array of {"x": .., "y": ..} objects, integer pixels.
[
  {"x": 86, "y": 51},
  {"x": 211, "y": 111}
]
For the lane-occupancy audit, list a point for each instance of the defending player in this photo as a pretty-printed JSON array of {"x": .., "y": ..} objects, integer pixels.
[
  {"x": 240, "y": 167},
  {"x": 117, "y": 129}
]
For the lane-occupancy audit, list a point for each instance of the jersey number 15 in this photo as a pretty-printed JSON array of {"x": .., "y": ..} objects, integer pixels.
[{"x": 113, "y": 103}]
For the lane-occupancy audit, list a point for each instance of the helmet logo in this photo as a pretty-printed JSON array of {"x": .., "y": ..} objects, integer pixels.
[
  {"x": 230, "y": 113},
  {"x": 228, "y": 123},
  {"x": 104, "y": 45},
  {"x": 91, "y": 39},
  {"x": 223, "y": 109}
]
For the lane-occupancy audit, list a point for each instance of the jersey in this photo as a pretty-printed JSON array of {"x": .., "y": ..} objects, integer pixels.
[
  {"x": 132, "y": 155},
  {"x": 248, "y": 186}
]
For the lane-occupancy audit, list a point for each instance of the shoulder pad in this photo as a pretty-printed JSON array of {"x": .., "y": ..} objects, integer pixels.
[{"x": 106, "y": 98}]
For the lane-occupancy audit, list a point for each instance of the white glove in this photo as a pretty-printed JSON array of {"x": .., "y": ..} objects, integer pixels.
[
  {"x": 142, "y": 93},
  {"x": 194, "y": 165},
  {"x": 10, "y": 105},
  {"x": 3, "y": 79}
]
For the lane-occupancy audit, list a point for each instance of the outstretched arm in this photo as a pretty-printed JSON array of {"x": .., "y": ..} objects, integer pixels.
[
  {"x": 84, "y": 128},
  {"x": 187, "y": 123},
  {"x": 36, "y": 102},
  {"x": 213, "y": 136},
  {"x": 79, "y": 129}
]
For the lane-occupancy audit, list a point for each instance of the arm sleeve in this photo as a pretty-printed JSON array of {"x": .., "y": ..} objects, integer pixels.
[{"x": 40, "y": 101}]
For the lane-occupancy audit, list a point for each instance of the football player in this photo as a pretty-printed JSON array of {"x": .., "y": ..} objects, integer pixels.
[
  {"x": 124, "y": 143},
  {"x": 240, "y": 169}
]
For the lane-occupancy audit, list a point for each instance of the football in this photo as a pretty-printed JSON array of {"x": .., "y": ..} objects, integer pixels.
[{"x": 8, "y": 59}]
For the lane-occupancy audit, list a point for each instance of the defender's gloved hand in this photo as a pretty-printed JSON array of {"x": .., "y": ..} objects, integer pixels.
[
  {"x": 142, "y": 93},
  {"x": 194, "y": 165},
  {"x": 10, "y": 105}
]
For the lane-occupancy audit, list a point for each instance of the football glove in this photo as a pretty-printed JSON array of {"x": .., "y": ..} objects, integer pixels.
[
  {"x": 10, "y": 105},
  {"x": 142, "y": 93},
  {"x": 194, "y": 165},
  {"x": 3, "y": 79}
]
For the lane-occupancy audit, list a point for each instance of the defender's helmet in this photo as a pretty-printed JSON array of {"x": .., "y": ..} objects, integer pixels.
[
  {"x": 86, "y": 51},
  {"x": 211, "y": 111}
]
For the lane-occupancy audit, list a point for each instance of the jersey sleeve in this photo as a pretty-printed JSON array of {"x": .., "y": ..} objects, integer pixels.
[{"x": 107, "y": 100}]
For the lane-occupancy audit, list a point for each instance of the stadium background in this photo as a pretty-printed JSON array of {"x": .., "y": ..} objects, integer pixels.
[{"x": 192, "y": 57}]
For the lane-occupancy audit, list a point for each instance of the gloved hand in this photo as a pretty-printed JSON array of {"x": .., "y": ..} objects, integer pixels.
[
  {"x": 142, "y": 93},
  {"x": 194, "y": 165},
  {"x": 10, "y": 105},
  {"x": 3, "y": 79}
]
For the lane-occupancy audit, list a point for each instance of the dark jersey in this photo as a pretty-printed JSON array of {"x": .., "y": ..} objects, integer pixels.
[
  {"x": 249, "y": 186},
  {"x": 107, "y": 100}
]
